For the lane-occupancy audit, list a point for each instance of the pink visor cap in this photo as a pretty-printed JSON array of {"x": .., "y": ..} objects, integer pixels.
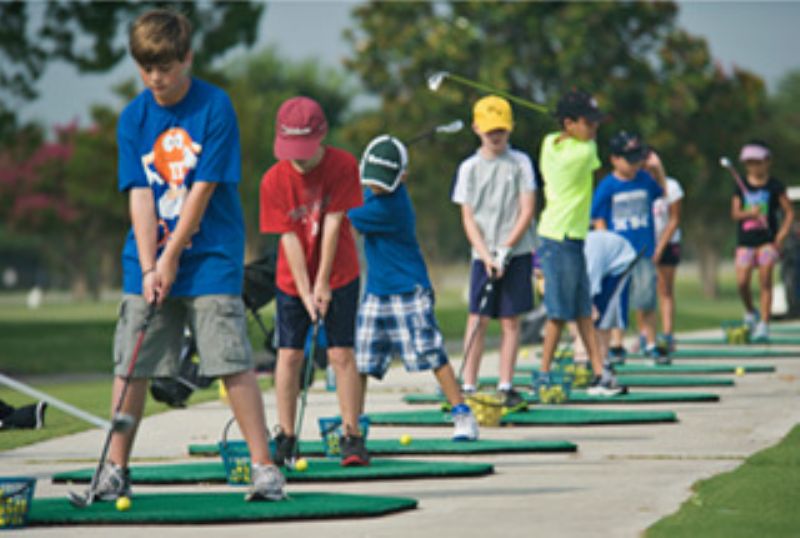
[
  {"x": 753, "y": 152},
  {"x": 299, "y": 129}
]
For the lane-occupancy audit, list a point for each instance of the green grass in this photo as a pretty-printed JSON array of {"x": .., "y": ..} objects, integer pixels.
[
  {"x": 759, "y": 498},
  {"x": 92, "y": 396}
]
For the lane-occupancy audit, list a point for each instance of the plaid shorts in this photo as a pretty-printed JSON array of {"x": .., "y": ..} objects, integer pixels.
[{"x": 401, "y": 325}]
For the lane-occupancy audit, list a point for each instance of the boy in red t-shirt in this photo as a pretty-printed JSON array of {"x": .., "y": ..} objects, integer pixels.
[{"x": 304, "y": 198}]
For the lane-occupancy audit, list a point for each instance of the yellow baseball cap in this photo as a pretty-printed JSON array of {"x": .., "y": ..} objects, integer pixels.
[{"x": 492, "y": 113}]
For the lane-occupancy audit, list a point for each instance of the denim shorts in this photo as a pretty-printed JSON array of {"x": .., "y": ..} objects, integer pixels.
[
  {"x": 340, "y": 320},
  {"x": 643, "y": 285},
  {"x": 510, "y": 296},
  {"x": 566, "y": 282}
]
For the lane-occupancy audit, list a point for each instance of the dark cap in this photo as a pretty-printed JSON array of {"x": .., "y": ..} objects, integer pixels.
[
  {"x": 578, "y": 104},
  {"x": 628, "y": 145}
]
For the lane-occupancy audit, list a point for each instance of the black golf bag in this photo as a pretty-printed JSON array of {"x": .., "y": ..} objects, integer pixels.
[{"x": 258, "y": 290}]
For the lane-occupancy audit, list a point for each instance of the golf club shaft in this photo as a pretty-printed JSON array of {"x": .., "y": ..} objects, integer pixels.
[
  {"x": 55, "y": 402},
  {"x": 450, "y": 128},
  {"x": 488, "y": 89},
  {"x": 485, "y": 292},
  {"x": 309, "y": 365}
]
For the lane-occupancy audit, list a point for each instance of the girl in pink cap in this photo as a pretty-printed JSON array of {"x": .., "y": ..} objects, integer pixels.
[{"x": 759, "y": 237}]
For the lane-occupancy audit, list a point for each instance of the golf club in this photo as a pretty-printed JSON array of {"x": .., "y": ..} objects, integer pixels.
[
  {"x": 445, "y": 128},
  {"x": 435, "y": 81},
  {"x": 486, "y": 291},
  {"x": 121, "y": 422},
  {"x": 308, "y": 358}
]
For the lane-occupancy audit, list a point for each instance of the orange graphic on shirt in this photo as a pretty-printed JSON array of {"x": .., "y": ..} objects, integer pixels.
[{"x": 173, "y": 156}]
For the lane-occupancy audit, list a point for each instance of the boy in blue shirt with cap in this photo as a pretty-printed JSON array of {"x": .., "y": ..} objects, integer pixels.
[{"x": 396, "y": 315}]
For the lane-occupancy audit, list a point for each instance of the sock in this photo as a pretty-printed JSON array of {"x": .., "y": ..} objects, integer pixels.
[
  {"x": 502, "y": 387},
  {"x": 467, "y": 388}
]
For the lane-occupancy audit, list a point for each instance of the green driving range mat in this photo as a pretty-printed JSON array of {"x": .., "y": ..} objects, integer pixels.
[
  {"x": 582, "y": 397},
  {"x": 321, "y": 470},
  {"x": 634, "y": 381},
  {"x": 554, "y": 416},
  {"x": 393, "y": 447},
  {"x": 648, "y": 369},
  {"x": 172, "y": 508},
  {"x": 730, "y": 353},
  {"x": 784, "y": 329},
  {"x": 720, "y": 341}
]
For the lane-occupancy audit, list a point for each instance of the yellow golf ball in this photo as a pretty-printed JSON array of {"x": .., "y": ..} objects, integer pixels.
[
  {"x": 405, "y": 439},
  {"x": 301, "y": 465},
  {"x": 123, "y": 504},
  {"x": 739, "y": 371}
]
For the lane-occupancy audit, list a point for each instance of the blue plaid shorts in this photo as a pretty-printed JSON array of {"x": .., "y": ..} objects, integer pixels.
[{"x": 402, "y": 325}]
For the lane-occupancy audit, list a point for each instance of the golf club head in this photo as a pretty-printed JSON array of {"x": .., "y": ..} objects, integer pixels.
[
  {"x": 450, "y": 128},
  {"x": 122, "y": 422},
  {"x": 79, "y": 500},
  {"x": 725, "y": 162},
  {"x": 436, "y": 79}
]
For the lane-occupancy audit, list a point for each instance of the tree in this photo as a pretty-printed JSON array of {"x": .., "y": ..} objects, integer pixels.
[{"x": 89, "y": 36}]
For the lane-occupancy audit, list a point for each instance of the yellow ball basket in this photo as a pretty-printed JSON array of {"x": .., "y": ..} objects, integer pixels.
[
  {"x": 736, "y": 332},
  {"x": 487, "y": 408}
]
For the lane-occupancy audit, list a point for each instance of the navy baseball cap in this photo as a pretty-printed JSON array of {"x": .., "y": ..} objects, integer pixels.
[
  {"x": 579, "y": 104},
  {"x": 628, "y": 145}
]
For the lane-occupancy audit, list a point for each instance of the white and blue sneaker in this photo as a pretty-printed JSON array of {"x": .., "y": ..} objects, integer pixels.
[
  {"x": 760, "y": 332},
  {"x": 465, "y": 425},
  {"x": 751, "y": 319}
]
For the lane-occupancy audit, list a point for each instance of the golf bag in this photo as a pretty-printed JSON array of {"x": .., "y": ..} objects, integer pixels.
[{"x": 258, "y": 290}]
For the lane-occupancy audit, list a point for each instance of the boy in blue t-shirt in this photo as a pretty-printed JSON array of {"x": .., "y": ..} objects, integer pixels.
[
  {"x": 396, "y": 315},
  {"x": 623, "y": 203},
  {"x": 179, "y": 163}
]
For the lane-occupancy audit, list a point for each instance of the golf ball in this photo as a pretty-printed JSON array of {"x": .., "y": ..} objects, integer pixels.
[
  {"x": 123, "y": 504},
  {"x": 301, "y": 465},
  {"x": 739, "y": 371},
  {"x": 405, "y": 439}
]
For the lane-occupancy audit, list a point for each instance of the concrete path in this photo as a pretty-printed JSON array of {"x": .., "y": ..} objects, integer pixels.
[{"x": 622, "y": 479}]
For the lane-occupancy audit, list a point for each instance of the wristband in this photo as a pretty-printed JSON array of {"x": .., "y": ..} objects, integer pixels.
[{"x": 147, "y": 272}]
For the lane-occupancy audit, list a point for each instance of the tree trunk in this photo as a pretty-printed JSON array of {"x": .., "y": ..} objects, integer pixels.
[{"x": 709, "y": 271}]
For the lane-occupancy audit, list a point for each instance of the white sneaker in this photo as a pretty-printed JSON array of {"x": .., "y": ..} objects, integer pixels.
[
  {"x": 465, "y": 425},
  {"x": 751, "y": 319},
  {"x": 114, "y": 482},
  {"x": 761, "y": 332},
  {"x": 268, "y": 482}
]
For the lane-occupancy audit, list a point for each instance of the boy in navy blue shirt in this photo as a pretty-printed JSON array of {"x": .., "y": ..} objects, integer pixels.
[
  {"x": 623, "y": 203},
  {"x": 396, "y": 314}
]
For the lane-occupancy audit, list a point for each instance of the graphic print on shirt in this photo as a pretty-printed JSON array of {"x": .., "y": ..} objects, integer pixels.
[
  {"x": 760, "y": 200},
  {"x": 308, "y": 216},
  {"x": 630, "y": 210}
]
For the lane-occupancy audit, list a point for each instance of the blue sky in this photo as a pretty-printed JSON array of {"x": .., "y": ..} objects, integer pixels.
[{"x": 759, "y": 36}]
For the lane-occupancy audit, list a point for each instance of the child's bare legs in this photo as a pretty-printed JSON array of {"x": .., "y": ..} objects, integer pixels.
[
  {"x": 348, "y": 387},
  {"x": 477, "y": 325},
  {"x": 617, "y": 337},
  {"x": 364, "y": 378},
  {"x": 587, "y": 332},
  {"x": 646, "y": 322},
  {"x": 248, "y": 408},
  {"x": 119, "y": 451},
  {"x": 552, "y": 334},
  {"x": 509, "y": 346},
  {"x": 447, "y": 381},
  {"x": 743, "y": 275},
  {"x": 579, "y": 352},
  {"x": 765, "y": 283},
  {"x": 666, "y": 296},
  {"x": 603, "y": 341},
  {"x": 287, "y": 386}
]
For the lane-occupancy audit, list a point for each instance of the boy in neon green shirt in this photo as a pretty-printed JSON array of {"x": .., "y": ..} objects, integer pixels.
[{"x": 568, "y": 160}]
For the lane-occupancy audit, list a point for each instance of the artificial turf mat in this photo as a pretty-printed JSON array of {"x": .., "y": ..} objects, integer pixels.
[
  {"x": 634, "y": 381},
  {"x": 319, "y": 470},
  {"x": 554, "y": 416},
  {"x": 730, "y": 353},
  {"x": 424, "y": 446},
  {"x": 720, "y": 341},
  {"x": 648, "y": 369},
  {"x": 172, "y": 508},
  {"x": 582, "y": 397}
]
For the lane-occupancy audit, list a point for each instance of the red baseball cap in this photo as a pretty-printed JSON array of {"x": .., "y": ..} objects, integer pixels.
[{"x": 299, "y": 128}]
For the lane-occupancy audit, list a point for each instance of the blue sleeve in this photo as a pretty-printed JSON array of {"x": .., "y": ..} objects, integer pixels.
[
  {"x": 130, "y": 173},
  {"x": 220, "y": 160},
  {"x": 601, "y": 208},
  {"x": 374, "y": 217}
]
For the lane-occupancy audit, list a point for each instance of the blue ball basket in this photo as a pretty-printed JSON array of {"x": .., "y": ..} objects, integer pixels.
[{"x": 16, "y": 494}]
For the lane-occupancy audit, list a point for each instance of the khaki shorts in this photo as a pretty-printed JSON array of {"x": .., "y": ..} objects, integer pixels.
[{"x": 218, "y": 323}]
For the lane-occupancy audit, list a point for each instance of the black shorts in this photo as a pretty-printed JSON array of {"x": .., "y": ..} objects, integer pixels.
[
  {"x": 671, "y": 255},
  {"x": 340, "y": 321}
]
